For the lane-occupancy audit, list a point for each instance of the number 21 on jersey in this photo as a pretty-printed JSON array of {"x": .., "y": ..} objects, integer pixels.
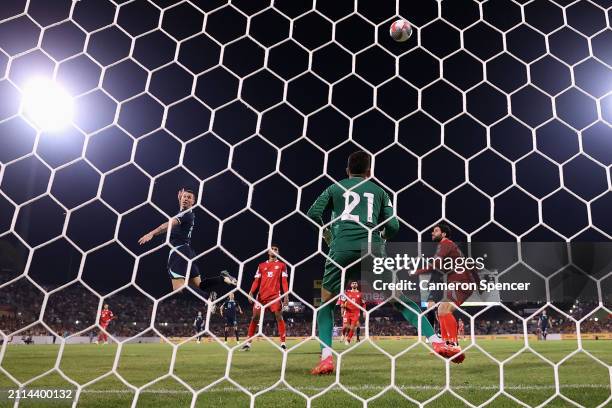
[{"x": 351, "y": 201}]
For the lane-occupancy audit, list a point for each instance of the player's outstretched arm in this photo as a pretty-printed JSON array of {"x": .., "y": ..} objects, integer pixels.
[{"x": 157, "y": 231}]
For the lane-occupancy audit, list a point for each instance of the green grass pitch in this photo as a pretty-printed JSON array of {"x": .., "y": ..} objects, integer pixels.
[{"x": 365, "y": 371}]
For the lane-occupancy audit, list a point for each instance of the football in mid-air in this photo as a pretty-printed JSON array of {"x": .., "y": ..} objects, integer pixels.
[{"x": 400, "y": 30}]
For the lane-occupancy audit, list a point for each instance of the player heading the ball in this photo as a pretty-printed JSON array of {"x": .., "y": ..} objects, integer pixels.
[
  {"x": 356, "y": 202},
  {"x": 181, "y": 227}
]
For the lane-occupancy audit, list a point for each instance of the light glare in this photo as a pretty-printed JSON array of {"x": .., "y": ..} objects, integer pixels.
[{"x": 47, "y": 105}]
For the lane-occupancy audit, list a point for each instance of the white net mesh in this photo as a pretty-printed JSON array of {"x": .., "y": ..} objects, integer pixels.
[{"x": 290, "y": 81}]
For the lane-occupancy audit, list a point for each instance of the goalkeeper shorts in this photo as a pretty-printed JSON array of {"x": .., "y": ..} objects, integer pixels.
[{"x": 333, "y": 273}]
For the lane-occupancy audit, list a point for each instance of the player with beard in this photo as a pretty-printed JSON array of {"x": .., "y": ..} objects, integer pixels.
[{"x": 448, "y": 249}]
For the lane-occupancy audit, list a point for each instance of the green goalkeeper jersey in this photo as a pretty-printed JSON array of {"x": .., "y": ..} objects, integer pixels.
[{"x": 354, "y": 206}]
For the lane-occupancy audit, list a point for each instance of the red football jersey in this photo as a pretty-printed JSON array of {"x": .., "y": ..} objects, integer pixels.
[
  {"x": 356, "y": 297},
  {"x": 106, "y": 316},
  {"x": 448, "y": 249},
  {"x": 268, "y": 278}
]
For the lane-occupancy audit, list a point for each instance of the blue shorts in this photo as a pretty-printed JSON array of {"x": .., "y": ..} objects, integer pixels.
[
  {"x": 177, "y": 265},
  {"x": 231, "y": 321}
]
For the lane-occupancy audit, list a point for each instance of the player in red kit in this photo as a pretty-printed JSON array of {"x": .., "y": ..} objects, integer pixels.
[
  {"x": 106, "y": 315},
  {"x": 350, "y": 317},
  {"x": 345, "y": 325},
  {"x": 448, "y": 323},
  {"x": 268, "y": 279},
  {"x": 461, "y": 329}
]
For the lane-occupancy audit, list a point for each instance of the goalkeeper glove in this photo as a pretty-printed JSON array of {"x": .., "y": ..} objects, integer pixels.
[{"x": 327, "y": 236}]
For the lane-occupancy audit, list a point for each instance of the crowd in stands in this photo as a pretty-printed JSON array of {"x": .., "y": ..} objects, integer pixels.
[{"x": 75, "y": 309}]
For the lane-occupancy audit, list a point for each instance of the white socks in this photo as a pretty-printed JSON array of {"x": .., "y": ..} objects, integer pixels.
[
  {"x": 434, "y": 339},
  {"x": 326, "y": 352}
]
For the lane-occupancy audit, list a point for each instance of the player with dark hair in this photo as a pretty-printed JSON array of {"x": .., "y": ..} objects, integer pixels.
[
  {"x": 350, "y": 318},
  {"x": 269, "y": 277},
  {"x": 356, "y": 202},
  {"x": 228, "y": 310},
  {"x": 198, "y": 324},
  {"x": 106, "y": 316},
  {"x": 181, "y": 227},
  {"x": 543, "y": 325},
  {"x": 448, "y": 324}
]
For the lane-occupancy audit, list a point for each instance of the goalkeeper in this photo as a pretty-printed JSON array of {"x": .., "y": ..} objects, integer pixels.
[{"x": 356, "y": 202}]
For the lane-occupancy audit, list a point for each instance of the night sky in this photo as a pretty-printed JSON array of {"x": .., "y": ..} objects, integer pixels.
[{"x": 494, "y": 116}]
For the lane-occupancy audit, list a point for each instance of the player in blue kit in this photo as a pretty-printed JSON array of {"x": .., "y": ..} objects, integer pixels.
[
  {"x": 198, "y": 324},
  {"x": 228, "y": 310},
  {"x": 543, "y": 325},
  {"x": 181, "y": 227}
]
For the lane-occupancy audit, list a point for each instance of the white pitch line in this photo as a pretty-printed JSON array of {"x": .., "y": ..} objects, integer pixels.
[{"x": 362, "y": 388}]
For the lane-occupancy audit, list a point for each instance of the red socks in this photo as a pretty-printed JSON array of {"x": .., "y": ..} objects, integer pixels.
[
  {"x": 448, "y": 327},
  {"x": 350, "y": 336},
  {"x": 252, "y": 328},
  {"x": 281, "y": 330}
]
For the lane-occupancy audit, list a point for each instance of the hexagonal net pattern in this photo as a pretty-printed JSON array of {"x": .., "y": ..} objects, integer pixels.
[{"x": 502, "y": 104}]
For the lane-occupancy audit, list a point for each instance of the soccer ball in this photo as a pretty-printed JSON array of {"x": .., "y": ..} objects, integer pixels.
[{"x": 400, "y": 30}]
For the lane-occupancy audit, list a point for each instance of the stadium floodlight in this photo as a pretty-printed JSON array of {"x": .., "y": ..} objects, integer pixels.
[{"x": 47, "y": 104}]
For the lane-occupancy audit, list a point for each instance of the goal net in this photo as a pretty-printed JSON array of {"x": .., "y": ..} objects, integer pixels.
[{"x": 494, "y": 117}]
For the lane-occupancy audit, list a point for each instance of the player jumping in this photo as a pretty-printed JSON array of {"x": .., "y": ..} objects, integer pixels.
[
  {"x": 356, "y": 202},
  {"x": 228, "y": 310},
  {"x": 351, "y": 313},
  {"x": 543, "y": 325},
  {"x": 106, "y": 315},
  {"x": 268, "y": 278},
  {"x": 180, "y": 239},
  {"x": 448, "y": 324}
]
